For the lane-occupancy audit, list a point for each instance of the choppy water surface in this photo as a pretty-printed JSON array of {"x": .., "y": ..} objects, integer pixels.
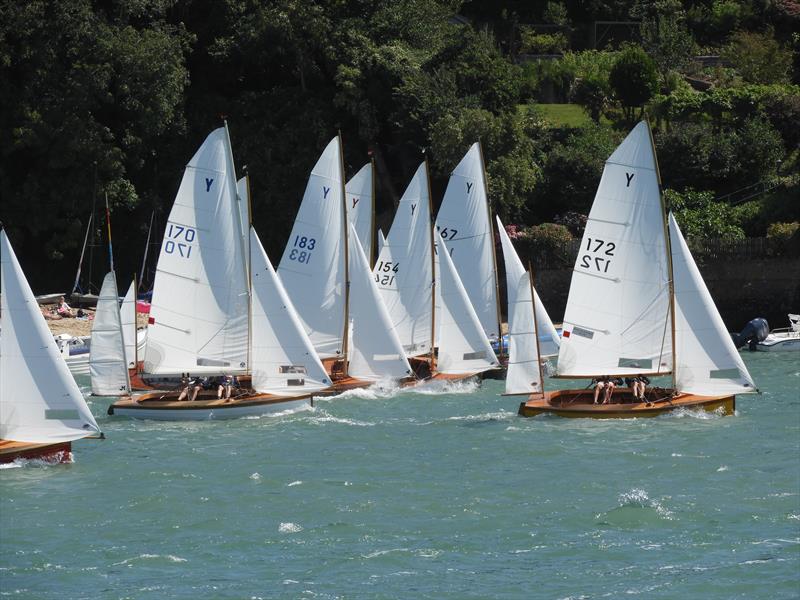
[{"x": 441, "y": 494}]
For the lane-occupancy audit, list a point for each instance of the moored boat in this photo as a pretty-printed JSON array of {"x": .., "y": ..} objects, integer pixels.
[
  {"x": 638, "y": 307},
  {"x": 783, "y": 339}
]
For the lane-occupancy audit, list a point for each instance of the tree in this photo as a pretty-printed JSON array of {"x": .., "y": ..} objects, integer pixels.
[
  {"x": 664, "y": 35},
  {"x": 758, "y": 57},
  {"x": 633, "y": 79}
]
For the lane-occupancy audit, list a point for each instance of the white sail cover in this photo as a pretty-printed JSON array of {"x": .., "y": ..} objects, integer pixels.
[
  {"x": 549, "y": 341},
  {"x": 463, "y": 222},
  {"x": 707, "y": 361},
  {"x": 376, "y": 352},
  {"x": 128, "y": 316},
  {"x": 39, "y": 400},
  {"x": 524, "y": 375},
  {"x": 108, "y": 366},
  {"x": 463, "y": 346},
  {"x": 199, "y": 313},
  {"x": 283, "y": 359},
  {"x": 617, "y": 320},
  {"x": 403, "y": 269},
  {"x": 360, "y": 206},
  {"x": 312, "y": 268}
]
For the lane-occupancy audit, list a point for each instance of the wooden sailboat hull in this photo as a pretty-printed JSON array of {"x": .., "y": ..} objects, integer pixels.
[
  {"x": 60, "y": 452},
  {"x": 579, "y": 404},
  {"x": 166, "y": 407}
]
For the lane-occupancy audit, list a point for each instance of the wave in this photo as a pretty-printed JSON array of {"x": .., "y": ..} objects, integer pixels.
[
  {"x": 635, "y": 509},
  {"x": 289, "y": 528},
  {"x": 55, "y": 459}
]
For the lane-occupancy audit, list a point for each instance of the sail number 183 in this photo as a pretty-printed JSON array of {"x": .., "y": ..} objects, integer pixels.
[
  {"x": 301, "y": 249},
  {"x": 599, "y": 257}
]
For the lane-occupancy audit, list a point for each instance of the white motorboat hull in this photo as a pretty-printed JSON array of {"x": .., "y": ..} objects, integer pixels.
[
  {"x": 779, "y": 343},
  {"x": 202, "y": 413}
]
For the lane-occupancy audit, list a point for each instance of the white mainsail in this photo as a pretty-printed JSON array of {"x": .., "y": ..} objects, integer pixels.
[
  {"x": 463, "y": 346},
  {"x": 464, "y": 223},
  {"x": 376, "y": 352},
  {"x": 707, "y": 363},
  {"x": 39, "y": 400},
  {"x": 360, "y": 206},
  {"x": 313, "y": 264},
  {"x": 403, "y": 269},
  {"x": 199, "y": 312},
  {"x": 617, "y": 320},
  {"x": 381, "y": 241},
  {"x": 283, "y": 359},
  {"x": 108, "y": 366},
  {"x": 524, "y": 374},
  {"x": 549, "y": 341},
  {"x": 128, "y": 317}
]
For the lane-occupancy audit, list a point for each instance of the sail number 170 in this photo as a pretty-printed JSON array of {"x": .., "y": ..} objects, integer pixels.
[
  {"x": 179, "y": 240},
  {"x": 599, "y": 250}
]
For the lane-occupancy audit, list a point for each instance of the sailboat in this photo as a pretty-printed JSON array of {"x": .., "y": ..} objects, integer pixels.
[
  {"x": 637, "y": 305},
  {"x": 202, "y": 320},
  {"x": 407, "y": 278},
  {"x": 108, "y": 363},
  {"x": 359, "y": 195},
  {"x": 332, "y": 288},
  {"x": 42, "y": 411}
]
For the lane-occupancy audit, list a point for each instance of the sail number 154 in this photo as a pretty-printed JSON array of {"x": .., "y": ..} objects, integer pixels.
[{"x": 598, "y": 251}]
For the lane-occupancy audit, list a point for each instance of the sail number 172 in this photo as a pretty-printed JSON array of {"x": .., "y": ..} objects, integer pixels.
[{"x": 598, "y": 251}]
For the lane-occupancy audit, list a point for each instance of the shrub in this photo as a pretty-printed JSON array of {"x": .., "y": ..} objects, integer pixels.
[
  {"x": 547, "y": 243},
  {"x": 782, "y": 231},
  {"x": 633, "y": 78},
  {"x": 700, "y": 216}
]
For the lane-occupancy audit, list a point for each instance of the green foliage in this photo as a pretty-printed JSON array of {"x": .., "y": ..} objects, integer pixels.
[
  {"x": 783, "y": 231},
  {"x": 548, "y": 242},
  {"x": 556, "y": 13},
  {"x": 664, "y": 36},
  {"x": 699, "y": 216},
  {"x": 542, "y": 43},
  {"x": 758, "y": 57},
  {"x": 633, "y": 79}
]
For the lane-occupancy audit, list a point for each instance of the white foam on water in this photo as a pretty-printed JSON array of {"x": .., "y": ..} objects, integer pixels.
[
  {"x": 501, "y": 415},
  {"x": 696, "y": 413},
  {"x": 169, "y": 557},
  {"x": 437, "y": 387},
  {"x": 340, "y": 421},
  {"x": 289, "y": 528},
  {"x": 294, "y": 483},
  {"x": 255, "y": 476},
  {"x": 722, "y": 468},
  {"x": 55, "y": 459},
  {"x": 282, "y": 413},
  {"x": 639, "y": 498}
]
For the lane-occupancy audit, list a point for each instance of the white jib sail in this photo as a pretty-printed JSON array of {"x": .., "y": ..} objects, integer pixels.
[
  {"x": 463, "y": 222},
  {"x": 463, "y": 346},
  {"x": 127, "y": 314},
  {"x": 524, "y": 374},
  {"x": 243, "y": 198},
  {"x": 312, "y": 268},
  {"x": 707, "y": 361},
  {"x": 381, "y": 242},
  {"x": 548, "y": 336},
  {"x": 199, "y": 313},
  {"x": 108, "y": 366},
  {"x": 617, "y": 320},
  {"x": 283, "y": 359},
  {"x": 39, "y": 400},
  {"x": 376, "y": 352},
  {"x": 359, "y": 200},
  {"x": 403, "y": 269}
]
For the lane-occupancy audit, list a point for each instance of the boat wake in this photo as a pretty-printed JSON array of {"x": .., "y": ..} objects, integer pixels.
[
  {"x": 697, "y": 413},
  {"x": 59, "y": 458},
  {"x": 438, "y": 387}
]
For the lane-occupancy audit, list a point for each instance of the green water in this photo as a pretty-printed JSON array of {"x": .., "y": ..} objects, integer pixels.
[{"x": 419, "y": 495}]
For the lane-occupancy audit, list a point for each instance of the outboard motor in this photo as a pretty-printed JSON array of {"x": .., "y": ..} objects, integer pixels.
[{"x": 755, "y": 331}]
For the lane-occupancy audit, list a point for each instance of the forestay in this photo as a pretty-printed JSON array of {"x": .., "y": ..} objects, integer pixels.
[
  {"x": 199, "y": 312},
  {"x": 463, "y": 222},
  {"x": 549, "y": 341},
  {"x": 39, "y": 400},
  {"x": 108, "y": 366},
  {"x": 707, "y": 361},
  {"x": 463, "y": 346},
  {"x": 283, "y": 359},
  {"x": 376, "y": 352},
  {"x": 313, "y": 265},
  {"x": 128, "y": 317},
  {"x": 617, "y": 320},
  {"x": 360, "y": 206},
  {"x": 403, "y": 269}
]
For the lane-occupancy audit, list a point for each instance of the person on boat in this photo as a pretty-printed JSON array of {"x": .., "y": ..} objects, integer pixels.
[
  {"x": 640, "y": 387},
  {"x": 184, "y": 386},
  {"x": 63, "y": 308},
  {"x": 226, "y": 385},
  {"x": 599, "y": 384}
]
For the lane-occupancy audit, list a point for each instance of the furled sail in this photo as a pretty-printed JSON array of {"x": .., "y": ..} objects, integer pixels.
[
  {"x": 463, "y": 346},
  {"x": 39, "y": 400},
  {"x": 463, "y": 222},
  {"x": 283, "y": 359},
  {"x": 128, "y": 317},
  {"x": 548, "y": 336},
  {"x": 707, "y": 363},
  {"x": 108, "y": 366},
  {"x": 403, "y": 269},
  {"x": 617, "y": 320},
  {"x": 360, "y": 204},
  {"x": 313, "y": 265},
  {"x": 199, "y": 312},
  {"x": 376, "y": 352}
]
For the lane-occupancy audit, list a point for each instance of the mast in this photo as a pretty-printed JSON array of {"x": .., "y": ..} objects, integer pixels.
[
  {"x": 433, "y": 267},
  {"x": 536, "y": 329},
  {"x": 345, "y": 344},
  {"x": 372, "y": 257},
  {"x": 83, "y": 251},
  {"x": 668, "y": 244},
  {"x": 494, "y": 255},
  {"x": 135, "y": 328},
  {"x": 231, "y": 177}
]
